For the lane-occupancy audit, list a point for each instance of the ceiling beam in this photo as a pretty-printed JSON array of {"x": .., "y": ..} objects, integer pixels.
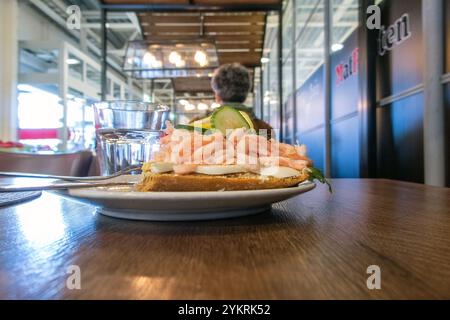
[
  {"x": 110, "y": 25},
  {"x": 207, "y": 28},
  {"x": 124, "y": 6},
  {"x": 208, "y": 19}
]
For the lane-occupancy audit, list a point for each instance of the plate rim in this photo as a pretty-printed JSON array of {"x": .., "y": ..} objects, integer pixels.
[{"x": 96, "y": 192}]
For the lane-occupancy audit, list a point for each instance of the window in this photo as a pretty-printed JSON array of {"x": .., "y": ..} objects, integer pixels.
[
  {"x": 288, "y": 29},
  {"x": 344, "y": 21},
  {"x": 117, "y": 91},
  {"x": 270, "y": 74},
  {"x": 40, "y": 115},
  {"x": 80, "y": 121},
  {"x": 309, "y": 41},
  {"x": 93, "y": 76},
  {"x": 75, "y": 66}
]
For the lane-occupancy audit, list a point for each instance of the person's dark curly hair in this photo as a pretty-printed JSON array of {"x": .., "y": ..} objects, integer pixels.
[{"x": 231, "y": 82}]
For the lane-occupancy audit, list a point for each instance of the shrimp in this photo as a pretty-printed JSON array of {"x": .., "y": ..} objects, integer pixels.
[
  {"x": 301, "y": 150},
  {"x": 167, "y": 133},
  {"x": 283, "y": 162},
  {"x": 289, "y": 151},
  {"x": 218, "y": 158},
  {"x": 236, "y": 135},
  {"x": 269, "y": 161},
  {"x": 295, "y": 164},
  {"x": 230, "y": 153},
  {"x": 187, "y": 149},
  {"x": 208, "y": 151}
]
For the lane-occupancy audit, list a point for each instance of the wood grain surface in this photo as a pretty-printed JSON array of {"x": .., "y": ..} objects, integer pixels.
[{"x": 315, "y": 246}]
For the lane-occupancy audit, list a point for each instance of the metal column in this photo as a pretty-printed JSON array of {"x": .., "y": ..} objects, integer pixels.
[
  {"x": 367, "y": 43},
  {"x": 327, "y": 87},
  {"x": 104, "y": 81},
  {"x": 280, "y": 70},
  {"x": 8, "y": 70},
  {"x": 294, "y": 70},
  {"x": 63, "y": 90},
  {"x": 434, "y": 114}
]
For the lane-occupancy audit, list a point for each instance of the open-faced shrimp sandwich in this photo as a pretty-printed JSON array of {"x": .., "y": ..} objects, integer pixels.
[{"x": 223, "y": 152}]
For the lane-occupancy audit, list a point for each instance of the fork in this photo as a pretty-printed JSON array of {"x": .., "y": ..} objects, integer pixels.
[
  {"x": 71, "y": 178},
  {"x": 62, "y": 186}
]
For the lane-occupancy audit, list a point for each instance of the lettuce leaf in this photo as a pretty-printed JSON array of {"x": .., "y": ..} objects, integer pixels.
[{"x": 316, "y": 174}]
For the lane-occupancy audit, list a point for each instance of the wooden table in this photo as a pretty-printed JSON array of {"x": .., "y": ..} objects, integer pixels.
[{"x": 315, "y": 246}]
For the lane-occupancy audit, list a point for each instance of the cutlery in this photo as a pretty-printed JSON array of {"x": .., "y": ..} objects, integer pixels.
[
  {"x": 70, "y": 178},
  {"x": 60, "y": 186}
]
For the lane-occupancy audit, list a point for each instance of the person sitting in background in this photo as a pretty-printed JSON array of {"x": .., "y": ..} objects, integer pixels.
[{"x": 231, "y": 84}]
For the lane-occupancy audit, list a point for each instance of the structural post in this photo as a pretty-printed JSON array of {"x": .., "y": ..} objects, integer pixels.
[
  {"x": 62, "y": 87},
  {"x": 367, "y": 52},
  {"x": 104, "y": 80},
  {"x": 294, "y": 70},
  {"x": 8, "y": 69},
  {"x": 434, "y": 115},
  {"x": 280, "y": 71},
  {"x": 327, "y": 88}
]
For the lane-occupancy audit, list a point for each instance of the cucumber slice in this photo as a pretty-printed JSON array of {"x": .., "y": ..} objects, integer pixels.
[
  {"x": 191, "y": 128},
  {"x": 228, "y": 118}
]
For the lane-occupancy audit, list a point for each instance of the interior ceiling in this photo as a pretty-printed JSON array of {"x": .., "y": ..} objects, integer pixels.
[
  {"x": 238, "y": 36},
  {"x": 195, "y": 2}
]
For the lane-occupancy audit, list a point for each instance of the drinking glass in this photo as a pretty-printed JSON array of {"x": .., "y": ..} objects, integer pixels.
[{"x": 127, "y": 133}]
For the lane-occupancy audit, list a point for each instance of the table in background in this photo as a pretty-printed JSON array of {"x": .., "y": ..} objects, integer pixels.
[{"x": 317, "y": 245}]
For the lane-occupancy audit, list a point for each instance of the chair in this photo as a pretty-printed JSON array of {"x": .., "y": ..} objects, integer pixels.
[
  {"x": 67, "y": 164},
  {"x": 94, "y": 169}
]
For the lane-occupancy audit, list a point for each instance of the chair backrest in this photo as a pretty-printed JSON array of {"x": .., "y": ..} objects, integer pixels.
[{"x": 70, "y": 164}]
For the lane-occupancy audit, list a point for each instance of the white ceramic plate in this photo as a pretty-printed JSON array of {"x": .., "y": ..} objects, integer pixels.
[{"x": 123, "y": 202}]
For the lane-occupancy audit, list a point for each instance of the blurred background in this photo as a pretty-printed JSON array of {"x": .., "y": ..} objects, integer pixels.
[{"x": 355, "y": 96}]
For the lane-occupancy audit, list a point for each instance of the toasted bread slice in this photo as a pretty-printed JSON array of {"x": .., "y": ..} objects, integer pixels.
[{"x": 201, "y": 182}]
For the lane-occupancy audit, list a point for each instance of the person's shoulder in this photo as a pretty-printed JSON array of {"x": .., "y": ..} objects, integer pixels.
[{"x": 238, "y": 106}]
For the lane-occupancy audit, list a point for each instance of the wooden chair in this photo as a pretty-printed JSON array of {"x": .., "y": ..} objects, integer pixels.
[{"x": 70, "y": 164}]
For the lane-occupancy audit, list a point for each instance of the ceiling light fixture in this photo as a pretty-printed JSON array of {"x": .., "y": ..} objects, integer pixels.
[
  {"x": 170, "y": 59},
  {"x": 189, "y": 107},
  {"x": 201, "y": 58},
  {"x": 175, "y": 58},
  {"x": 149, "y": 60},
  {"x": 202, "y": 106}
]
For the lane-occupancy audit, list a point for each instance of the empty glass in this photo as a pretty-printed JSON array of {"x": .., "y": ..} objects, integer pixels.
[{"x": 127, "y": 132}]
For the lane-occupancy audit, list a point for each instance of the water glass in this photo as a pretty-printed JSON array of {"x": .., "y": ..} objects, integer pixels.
[{"x": 127, "y": 133}]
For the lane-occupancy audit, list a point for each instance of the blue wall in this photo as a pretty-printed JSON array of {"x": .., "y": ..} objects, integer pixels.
[
  {"x": 310, "y": 117},
  {"x": 345, "y": 139},
  {"x": 344, "y": 121}
]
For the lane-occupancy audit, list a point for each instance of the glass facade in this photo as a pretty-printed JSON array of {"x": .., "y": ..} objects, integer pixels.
[
  {"x": 303, "y": 87},
  {"x": 270, "y": 108}
]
